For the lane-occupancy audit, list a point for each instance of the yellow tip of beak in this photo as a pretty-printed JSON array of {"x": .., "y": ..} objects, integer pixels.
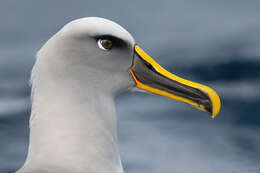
[{"x": 215, "y": 100}]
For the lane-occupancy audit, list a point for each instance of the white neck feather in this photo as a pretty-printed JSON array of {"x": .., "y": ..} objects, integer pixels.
[{"x": 72, "y": 130}]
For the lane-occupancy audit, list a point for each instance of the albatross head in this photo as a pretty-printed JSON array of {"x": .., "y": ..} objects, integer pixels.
[{"x": 98, "y": 53}]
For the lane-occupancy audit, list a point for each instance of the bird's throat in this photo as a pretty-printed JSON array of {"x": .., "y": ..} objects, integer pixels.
[{"x": 73, "y": 131}]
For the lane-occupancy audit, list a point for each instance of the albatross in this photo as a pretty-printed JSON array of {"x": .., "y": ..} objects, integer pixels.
[{"x": 77, "y": 74}]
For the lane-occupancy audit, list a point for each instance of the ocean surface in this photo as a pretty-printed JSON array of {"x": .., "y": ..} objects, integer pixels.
[{"x": 214, "y": 43}]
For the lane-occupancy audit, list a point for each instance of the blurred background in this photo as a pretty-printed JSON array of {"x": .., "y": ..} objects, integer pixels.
[{"x": 216, "y": 43}]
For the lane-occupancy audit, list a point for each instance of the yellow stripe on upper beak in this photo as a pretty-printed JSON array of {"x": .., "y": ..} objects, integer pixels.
[{"x": 213, "y": 96}]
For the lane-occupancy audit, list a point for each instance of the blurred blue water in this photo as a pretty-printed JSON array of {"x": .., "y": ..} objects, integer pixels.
[{"x": 215, "y": 43}]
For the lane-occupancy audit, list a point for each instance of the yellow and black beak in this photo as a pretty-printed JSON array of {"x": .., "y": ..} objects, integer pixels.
[{"x": 151, "y": 77}]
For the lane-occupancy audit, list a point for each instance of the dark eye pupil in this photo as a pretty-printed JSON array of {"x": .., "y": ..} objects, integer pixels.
[{"x": 107, "y": 44}]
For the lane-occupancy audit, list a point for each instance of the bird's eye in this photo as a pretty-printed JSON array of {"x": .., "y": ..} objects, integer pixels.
[{"x": 105, "y": 44}]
